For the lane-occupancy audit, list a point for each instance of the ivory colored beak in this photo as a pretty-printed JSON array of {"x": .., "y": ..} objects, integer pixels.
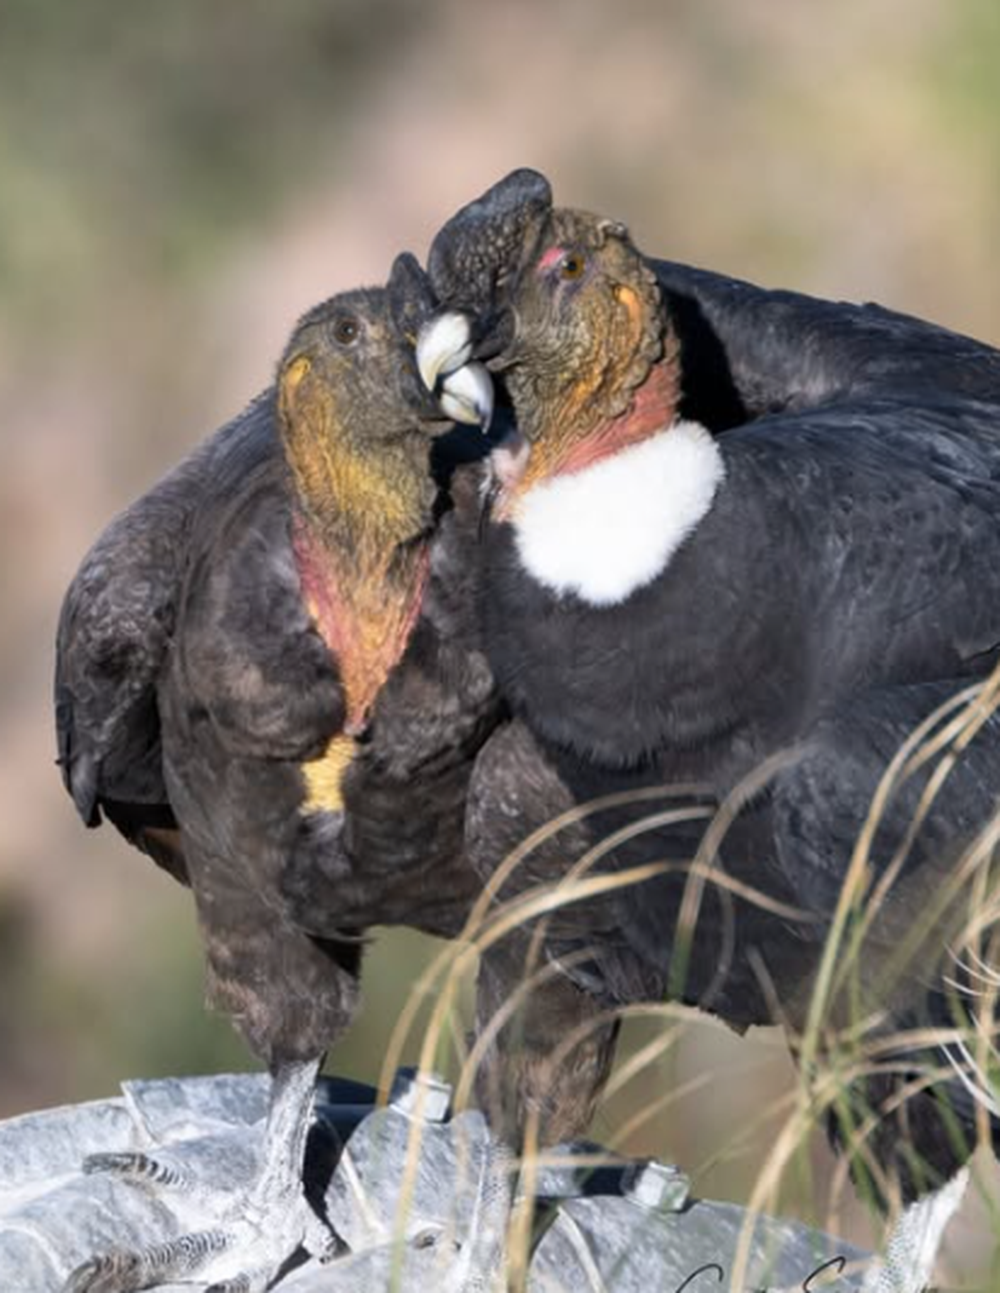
[
  {"x": 444, "y": 350},
  {"x": 444, "y": 344}
]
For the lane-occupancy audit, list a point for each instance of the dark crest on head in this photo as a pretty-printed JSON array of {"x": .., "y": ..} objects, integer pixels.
[{"x": 486, "y": 240}]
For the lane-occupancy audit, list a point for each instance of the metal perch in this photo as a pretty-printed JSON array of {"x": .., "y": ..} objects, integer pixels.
[{"x": 422, "y": 1199}]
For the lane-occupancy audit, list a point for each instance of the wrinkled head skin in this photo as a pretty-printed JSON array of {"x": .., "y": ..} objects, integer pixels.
[
  {"x": 355, "y": 350},
  {"x": 559, "y": 302},
  {"x": 356, "y": 421},
  {"x": 585, "y": 326},
  {"x": 485, "y": 243}
]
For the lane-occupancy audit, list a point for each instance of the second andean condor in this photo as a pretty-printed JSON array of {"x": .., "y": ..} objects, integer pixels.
[{"x": 733, "y": 525}]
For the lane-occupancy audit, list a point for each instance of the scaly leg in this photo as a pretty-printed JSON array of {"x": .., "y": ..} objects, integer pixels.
[
  {"x": 912, "y": 1249},
  {"x": 260, "y": 1224}
]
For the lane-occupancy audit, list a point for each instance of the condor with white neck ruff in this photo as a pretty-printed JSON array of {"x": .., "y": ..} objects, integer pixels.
[
  {"x": 730, "y": 521},
  {"x": 660, "y": 593}
]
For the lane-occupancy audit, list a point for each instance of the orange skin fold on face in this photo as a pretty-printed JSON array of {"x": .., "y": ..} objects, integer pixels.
[{"x": 330, "y": 473}]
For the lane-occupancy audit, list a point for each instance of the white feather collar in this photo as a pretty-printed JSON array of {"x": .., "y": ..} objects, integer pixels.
[{"x": 611, "y": 528}]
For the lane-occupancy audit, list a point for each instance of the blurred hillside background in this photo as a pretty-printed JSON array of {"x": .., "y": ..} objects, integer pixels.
[{"x": 179, "y": 182}]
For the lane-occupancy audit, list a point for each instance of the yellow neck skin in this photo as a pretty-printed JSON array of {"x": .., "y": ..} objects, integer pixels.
[{"x": 361, "y": 525}]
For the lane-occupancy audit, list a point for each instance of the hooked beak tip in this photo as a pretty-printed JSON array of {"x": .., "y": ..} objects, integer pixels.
[
  {"x": 462, "y": 386},
  {"x": 444, "y": 345},
  {"x": 467, "y": 396}
]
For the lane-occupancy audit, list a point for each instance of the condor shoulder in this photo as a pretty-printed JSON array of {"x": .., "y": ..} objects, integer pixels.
[
  {"x": 750, "y": 350},
  {"x": 119, "y": 615}
]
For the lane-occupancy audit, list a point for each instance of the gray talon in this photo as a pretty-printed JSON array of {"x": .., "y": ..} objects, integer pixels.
[
  {"x": 120, "y": 1271},
  {"x": 248, "y": 1282},
  {"x": 254, "y": 1215},
  {"x": 320, "y": 1240},
  {"x": 140, "y": 1168},
  {"x": 112, "y": 1272}
]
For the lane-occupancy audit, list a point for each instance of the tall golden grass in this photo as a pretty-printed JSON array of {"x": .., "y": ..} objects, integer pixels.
[{"x": 835, "y": 1048}]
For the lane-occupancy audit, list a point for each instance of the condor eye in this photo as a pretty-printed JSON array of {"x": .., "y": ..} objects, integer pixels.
[
  {"x": 346, "y": 330},
  {"x": 572, "y": 265}
]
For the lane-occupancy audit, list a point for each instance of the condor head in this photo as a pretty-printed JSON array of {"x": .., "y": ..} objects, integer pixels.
[{"x": 564, "y": 310}]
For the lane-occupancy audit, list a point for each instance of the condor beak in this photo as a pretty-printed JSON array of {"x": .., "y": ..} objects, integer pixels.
[{"x": 444, "y": 355}]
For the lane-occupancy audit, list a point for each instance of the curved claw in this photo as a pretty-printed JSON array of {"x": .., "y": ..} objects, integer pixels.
[
  {"x": 113, "y": 1272},
  {"x": 141, "y": 1169},
  {"x": 258, "y": 1281},
  {"x": 320, "y": 1240},
  {"x": 121, "y": 1271}
]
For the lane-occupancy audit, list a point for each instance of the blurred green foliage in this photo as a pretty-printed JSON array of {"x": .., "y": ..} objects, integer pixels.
[
  {"x": 200, "y": 118},
  {"x": 967, "y": 70}
]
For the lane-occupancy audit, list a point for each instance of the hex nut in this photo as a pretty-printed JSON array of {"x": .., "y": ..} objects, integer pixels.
[
  {"x": 657, "y": 1186},
  {"x": 428, "y": 1092}
]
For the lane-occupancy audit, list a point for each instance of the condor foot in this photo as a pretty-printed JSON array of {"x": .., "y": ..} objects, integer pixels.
[{"x": 253, "y": 1235}]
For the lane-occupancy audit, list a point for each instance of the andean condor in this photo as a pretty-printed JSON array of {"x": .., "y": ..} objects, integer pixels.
[
  {"x": 731, "y": 523},
  {"x": 223, "y": 656}
]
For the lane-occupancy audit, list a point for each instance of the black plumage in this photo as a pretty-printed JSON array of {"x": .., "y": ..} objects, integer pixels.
[
  {"x": 117, "y": 619},
  {"x": 755, "y": 948},
  {"x": 222, "y": 666},
  {"x": 836, "y": 582},
  {"x": 868, "y": 452},
  {"x": 884, "y": 516}
]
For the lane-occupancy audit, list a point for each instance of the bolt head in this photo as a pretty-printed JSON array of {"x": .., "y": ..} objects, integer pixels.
[{"x": 657, "y": 1186}]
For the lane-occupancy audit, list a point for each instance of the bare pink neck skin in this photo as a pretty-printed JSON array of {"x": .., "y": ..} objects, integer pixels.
[
  {"x": 653, "y": 409},
  {"x": 518, "y": 465},
  {"x": 364, "y": 617}
]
